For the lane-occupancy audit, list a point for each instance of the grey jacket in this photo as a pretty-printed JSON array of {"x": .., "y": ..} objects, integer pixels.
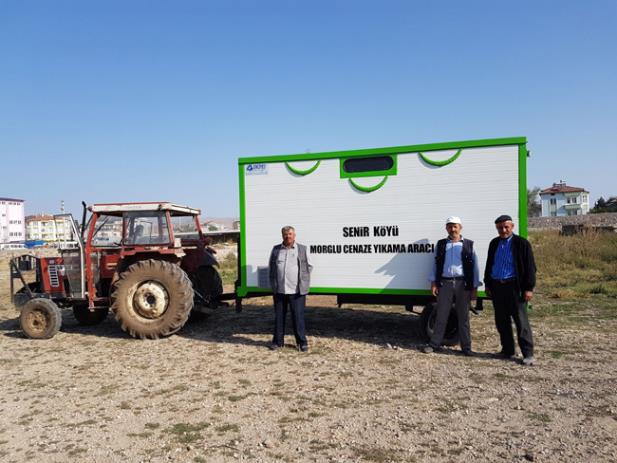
[{"x": 304, "y": 269}]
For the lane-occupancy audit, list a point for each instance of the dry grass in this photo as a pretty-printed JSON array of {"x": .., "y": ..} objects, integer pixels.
[{"x": 576, "y": 266}]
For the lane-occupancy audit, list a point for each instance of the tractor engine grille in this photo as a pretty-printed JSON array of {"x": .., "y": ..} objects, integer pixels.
[{"x": 53, "y": 276}]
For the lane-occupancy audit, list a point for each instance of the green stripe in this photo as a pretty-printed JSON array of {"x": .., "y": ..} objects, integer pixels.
[
  {"x": 441, "y": 163},
  {"x": 302, "y": 172},
  {"x": 241, "y": 290},
  {"x": 388, "y": 150},
  {"x": 368, "y": 189},
  {"x": 522, "y": 190},
  {"x": 327, "y": 290}
]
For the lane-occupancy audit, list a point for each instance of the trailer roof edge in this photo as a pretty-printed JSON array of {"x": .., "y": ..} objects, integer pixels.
[{"x": 386, "y": 150}]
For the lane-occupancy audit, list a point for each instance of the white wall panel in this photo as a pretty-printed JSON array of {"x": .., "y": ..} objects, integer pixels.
[{"x": 478, "y": 186}]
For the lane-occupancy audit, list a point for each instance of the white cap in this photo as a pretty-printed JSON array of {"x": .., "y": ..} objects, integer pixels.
[{"x": 454, "y": 219}]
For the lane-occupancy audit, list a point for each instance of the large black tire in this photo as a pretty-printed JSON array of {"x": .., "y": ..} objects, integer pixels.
[
  {"x": 85, "y": 317},
  {"x": 152, "y": 298},
  {"x": 428, "y": 324},
  {"x": 40, "y": 318}
]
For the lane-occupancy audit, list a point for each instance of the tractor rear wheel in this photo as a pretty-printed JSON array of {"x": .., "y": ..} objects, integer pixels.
[
  {"x": 86, "y": 317},
  {"x": 40, "y": 318},
  {"x": 428, "y": 318},
  {"x": 152, "y": 298}
]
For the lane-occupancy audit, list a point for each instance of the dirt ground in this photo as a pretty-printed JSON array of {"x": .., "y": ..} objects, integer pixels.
[{"x": 364, "y": 392}]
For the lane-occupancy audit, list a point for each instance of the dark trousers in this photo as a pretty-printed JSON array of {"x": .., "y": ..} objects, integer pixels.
[
  {"x": 296, "y": 304},
  {"x": 509, "y": 305},
  {"x": 452, "y": 292}
]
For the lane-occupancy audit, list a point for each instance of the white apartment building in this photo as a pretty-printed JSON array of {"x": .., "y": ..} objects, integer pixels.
[
  {"x": 45, "y": 227},
  {"x": 561, "y": 200},
  {"x": 12, "y": 222}
]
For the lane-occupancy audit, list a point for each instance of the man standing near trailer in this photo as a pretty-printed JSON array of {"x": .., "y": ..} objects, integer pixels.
[
  {"x": 510, "y": 276},
  {"x": 455, "y": 279},
  {"x": 290, "y": 273}
]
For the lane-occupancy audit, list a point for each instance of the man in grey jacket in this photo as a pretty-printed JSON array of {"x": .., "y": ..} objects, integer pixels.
[{"x": 290, "y": 274}]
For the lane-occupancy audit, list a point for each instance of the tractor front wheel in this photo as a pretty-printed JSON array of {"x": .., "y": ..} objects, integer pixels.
[
  {"x": 86, "y": 317},
  {"x": 40, "y": 318},
  {"x": 152, "y": 298}
]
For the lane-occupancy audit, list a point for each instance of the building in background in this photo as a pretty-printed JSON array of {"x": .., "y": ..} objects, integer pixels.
[
  {"x": 47, "y": 228},
  {"x": 560, "y": 200},
  {"x": 12, "y": 222}
]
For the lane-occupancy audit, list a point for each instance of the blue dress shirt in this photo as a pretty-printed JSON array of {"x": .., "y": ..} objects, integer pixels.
[
  {"x": 453, "y": 263},
  {"x": 503, "y": 266}
]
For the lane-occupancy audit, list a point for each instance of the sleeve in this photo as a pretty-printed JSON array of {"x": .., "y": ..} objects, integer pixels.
[
  {"x": 531, "y": 267},
  {"x": 432, "y": 277},
  {"x": 476, "y": 271},
  {"x": 308, "y": 261},
  {"x": 489, "y": 263}
]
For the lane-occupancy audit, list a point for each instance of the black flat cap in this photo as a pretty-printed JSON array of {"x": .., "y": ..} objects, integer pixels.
[{"x": 503, "y": 218}]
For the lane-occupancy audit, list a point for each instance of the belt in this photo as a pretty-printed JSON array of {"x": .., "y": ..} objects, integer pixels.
[
  {"x": 453, "y": 278},
  {"x": 503, "y": 282}
]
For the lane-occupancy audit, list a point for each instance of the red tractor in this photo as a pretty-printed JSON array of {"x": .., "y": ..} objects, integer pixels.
[{"x": 149, "y": 262}]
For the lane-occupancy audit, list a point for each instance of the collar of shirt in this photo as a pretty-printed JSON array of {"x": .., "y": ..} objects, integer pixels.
[{"x": 293, "y": 246}]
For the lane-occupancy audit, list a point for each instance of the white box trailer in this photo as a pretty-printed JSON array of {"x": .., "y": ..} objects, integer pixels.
[{"x": 371, "y": 218}]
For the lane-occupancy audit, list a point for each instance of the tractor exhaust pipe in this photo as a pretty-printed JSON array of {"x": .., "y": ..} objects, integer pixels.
[{"x": 83, "y": 221}]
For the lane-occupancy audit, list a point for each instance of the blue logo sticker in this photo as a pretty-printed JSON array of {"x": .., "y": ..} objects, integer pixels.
[{"x": 256, "y": 169}]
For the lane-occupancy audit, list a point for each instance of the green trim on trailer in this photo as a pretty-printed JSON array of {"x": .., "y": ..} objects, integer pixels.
[
  {"x": 302, "y": 172},
  {"x": 369, "y": 173},
  {"x": 522, "y": 189},
  {"x": 325, "y": 290},
  {"x": 368, "y": 189},
  {"x": 387, "y": 150},
  {"x": 441, "y": 163},
  {"x": 241, "y": 290}
]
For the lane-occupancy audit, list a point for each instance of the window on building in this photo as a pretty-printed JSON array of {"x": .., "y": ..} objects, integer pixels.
[{"x": 553, "y": 201}]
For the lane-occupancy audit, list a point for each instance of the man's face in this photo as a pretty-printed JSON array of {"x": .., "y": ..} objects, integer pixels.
[
  {"x": 289, "y": 237},
  {"x": 505, "y": 229},
  {"x": 454, "y": 230}
]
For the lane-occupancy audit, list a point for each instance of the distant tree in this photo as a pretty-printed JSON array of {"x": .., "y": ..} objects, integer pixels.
[
  {"x": 534, "y": 208},
  {"x": 600, "y": 206}
]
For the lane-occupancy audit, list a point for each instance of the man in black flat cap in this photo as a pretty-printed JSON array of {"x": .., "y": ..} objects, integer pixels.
[{"x": 509, "y": 278}]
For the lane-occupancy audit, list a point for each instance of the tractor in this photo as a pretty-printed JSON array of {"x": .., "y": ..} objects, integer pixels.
[{"x": 149, "y": 262}]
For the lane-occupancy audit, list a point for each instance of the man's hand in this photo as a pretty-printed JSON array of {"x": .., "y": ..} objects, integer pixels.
[
  {"x": 434, "y": 289},
  {"x": 527, "y": 296}
]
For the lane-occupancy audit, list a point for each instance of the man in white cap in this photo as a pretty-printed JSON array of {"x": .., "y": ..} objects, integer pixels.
[{"x": 455, "y": 279}]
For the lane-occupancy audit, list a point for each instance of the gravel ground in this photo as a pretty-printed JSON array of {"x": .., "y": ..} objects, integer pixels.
[{"x": 364, "y": 392}]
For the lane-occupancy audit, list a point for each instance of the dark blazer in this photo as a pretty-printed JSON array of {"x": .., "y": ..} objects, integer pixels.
[{"x": 523, "y": 260}]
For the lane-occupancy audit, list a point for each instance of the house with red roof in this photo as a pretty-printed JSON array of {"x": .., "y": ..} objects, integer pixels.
[{"x": 561, "y": 200}]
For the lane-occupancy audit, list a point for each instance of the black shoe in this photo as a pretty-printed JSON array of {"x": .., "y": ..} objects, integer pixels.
[
  {"x": 504, "y": 355},
  {"x": 304, "y": 348},
  {"x": 468, "y": 352},
  {"x": 274, "y": 346}
]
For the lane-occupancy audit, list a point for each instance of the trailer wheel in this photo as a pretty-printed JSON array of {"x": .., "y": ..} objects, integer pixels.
[
  {"x": 428, "y": 317},
  {"x": 86, "y": 317},
  {"x": 40, "y": 318},
  {"x": 152, "y": 298}
]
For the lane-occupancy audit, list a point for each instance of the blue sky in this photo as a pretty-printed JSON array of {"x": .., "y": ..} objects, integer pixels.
[{"x": 144, "y": 100}]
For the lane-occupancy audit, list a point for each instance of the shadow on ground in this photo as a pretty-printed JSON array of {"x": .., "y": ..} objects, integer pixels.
[
  {"x": 225, "y": 325},
  {"x": 379, "y": 327}
]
